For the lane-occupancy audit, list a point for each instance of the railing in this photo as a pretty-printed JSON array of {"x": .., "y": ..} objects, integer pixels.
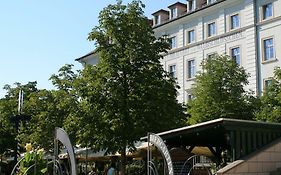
[{"x": 197, "y": 161}]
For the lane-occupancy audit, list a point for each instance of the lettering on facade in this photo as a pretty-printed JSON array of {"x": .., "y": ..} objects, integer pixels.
[
  {"x": 159, "y": 143},
  {"x": 221, "y": 40}
]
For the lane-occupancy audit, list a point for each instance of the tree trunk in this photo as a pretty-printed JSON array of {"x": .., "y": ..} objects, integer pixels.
[{"x": 123, "y": 162}]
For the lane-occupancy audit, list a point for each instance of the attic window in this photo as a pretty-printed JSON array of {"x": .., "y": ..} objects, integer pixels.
[
  {"x": 173, "y": 13},
  {"x": 157, "y": 19},
  {"x": 211, "y": 1},
  {"x": 191, "y": 5}
]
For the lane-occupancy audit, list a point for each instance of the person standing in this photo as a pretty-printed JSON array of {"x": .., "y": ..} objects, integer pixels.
[{"x": 112, "y": 169}]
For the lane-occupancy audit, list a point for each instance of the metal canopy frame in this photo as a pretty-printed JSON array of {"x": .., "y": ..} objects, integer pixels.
[{"x": 238, "y": 137}]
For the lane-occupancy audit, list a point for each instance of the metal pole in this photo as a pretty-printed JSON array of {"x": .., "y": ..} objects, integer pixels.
[
  {"x": 148, "y": 154},
  {"x": 55, "y": 155},
  {"x": 86, "y": 160}
]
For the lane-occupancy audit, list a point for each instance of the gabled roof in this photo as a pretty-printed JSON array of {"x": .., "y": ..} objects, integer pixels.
[
  {"x": 177, "y": 4},
  {"x": 160, "y": 11}
]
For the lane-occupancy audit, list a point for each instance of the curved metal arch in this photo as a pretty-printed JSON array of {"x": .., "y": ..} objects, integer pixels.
[
  {"x": 17, "y": 164},
  {"x": 153, "y": 167},
  {"x": 63, "y": 137},
  {"x": 159, "y": 143}
]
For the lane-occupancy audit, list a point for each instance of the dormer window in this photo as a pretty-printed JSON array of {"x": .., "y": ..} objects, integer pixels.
[
  {"x": 157, "y": 19},
  {"x": 177, "y": 9},
  {"x": 160, "y": 17},
  {"x": 173, "y": 13},
  {"x": 211, "y": 1},
  {"x": 191, "y": 5}
]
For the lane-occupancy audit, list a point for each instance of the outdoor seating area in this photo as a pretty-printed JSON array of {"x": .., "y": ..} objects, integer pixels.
[{"x": 205, "y": 147}]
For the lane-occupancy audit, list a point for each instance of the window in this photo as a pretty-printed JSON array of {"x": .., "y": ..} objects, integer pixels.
[
  {"x": 235, "y": 54},
  {"x": 211, "y": 29},
  {"x": 211, "y": 1},
  {"x": 211, "y": 55},
  {"x": 189, "y": 97},
  {"x": 268, "y": 49},
  {"x": 191, "y": 5},
  {"x": 191, "y": 36},
  {"x": 157, "y": 19},
  {"x": 191, "y": 69},
  {"x": 267, "y": 11},
  {"x": 235, "y": 21},
  {"x": 173, "y": 42},
  {"x": 173, "y": 13},
  {"x": 172, "y": 71},
  {"x": 267, "y": 83}
]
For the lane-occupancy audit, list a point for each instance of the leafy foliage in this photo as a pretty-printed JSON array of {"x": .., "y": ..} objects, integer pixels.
[
  {"x": 33, "y": 163},
  {"x": 219, "y": 92},
  {"x": 7, "y": 133},
  {"x": 8, "y": 108},
  {"x": 270, "y": 109},
  {"x": 50, "y": 109}
]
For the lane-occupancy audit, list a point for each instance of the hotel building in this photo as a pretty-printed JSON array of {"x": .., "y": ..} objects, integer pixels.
[{"x": 247, "y": 30}]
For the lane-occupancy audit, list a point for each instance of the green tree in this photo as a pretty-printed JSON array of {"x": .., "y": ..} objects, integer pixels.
[
  {"x": 8, "y": 108},
  {"x": 50, "y": 109},
  {"x": 219, "y": 91},
  {"x": 128, "y": 93},
  {"x": 7, "y": 132},
  {"x": 270, "y": 109}
]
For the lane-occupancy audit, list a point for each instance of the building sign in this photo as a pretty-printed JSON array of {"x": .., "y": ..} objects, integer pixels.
[
  {"x": 221, "y": 40},
  {"x": 159, "y": 143}
]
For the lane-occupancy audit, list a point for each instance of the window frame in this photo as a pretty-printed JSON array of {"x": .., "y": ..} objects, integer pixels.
[
  {"x": 231, "y": 26},
  {"x": 188, "y": 36},
  {"x": 208, "y": 56},
  {"x": 240, "y": 53},
  {"x": 192, "y": 5},
  {"x": 208, "y": 29},
  {"x": 157, "y": 19},
  {"x": 175, "y": 70},
  {"x": 189, "y": 74},
  {"x": 189, "y": 97},
  {"x": 173, "y": 16},
  {"x": 262, "y": 11},
  {"x": 265, "y": 84},
  {"x": 211, "y": 1},
  {"x": 173, "y": 44},
  {"x": 263, "y": 49}
]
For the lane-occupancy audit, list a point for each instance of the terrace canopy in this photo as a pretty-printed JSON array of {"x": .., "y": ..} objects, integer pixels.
[{"x": 237, "y": 138}]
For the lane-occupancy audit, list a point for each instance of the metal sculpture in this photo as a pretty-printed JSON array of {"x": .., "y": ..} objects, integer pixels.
[
  {"x": 62, "y": 136},
  {"x": 159, "y": 143}
]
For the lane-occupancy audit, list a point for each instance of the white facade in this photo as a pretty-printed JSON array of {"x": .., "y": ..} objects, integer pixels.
[
  {"x": 232, "y": 27},
  {"x": 249, "y": 30}
]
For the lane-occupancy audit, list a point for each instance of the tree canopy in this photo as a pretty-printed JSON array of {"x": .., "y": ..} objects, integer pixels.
[
  {"x": 8, "y": 108},
  {"x": 47, "y": 108},
  {"x": 50, "y": 108},
  {"x": 219, "y": 91},
  {"x": 270, "y": 109}
]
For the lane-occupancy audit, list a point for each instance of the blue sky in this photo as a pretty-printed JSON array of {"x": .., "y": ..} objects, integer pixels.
[{"x": 38, "y": 37}]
